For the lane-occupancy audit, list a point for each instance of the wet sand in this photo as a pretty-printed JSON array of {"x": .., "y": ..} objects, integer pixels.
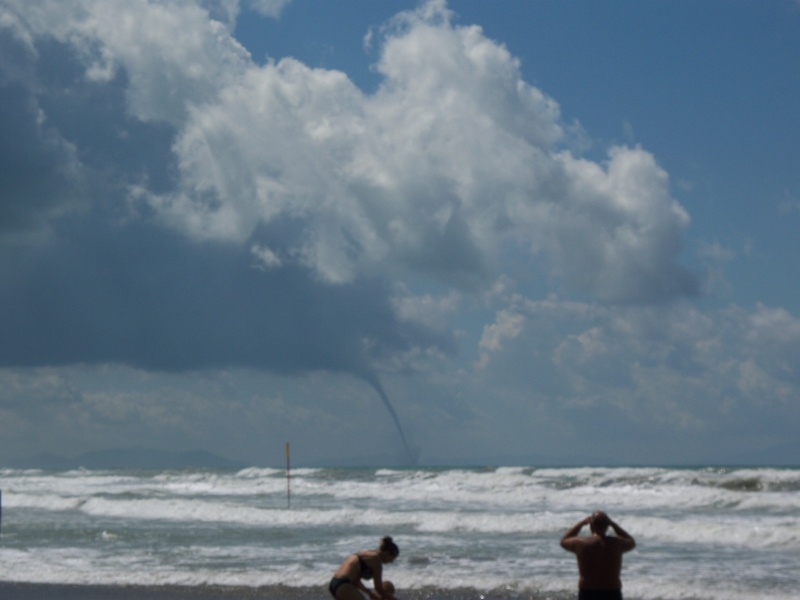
[{"x": 46, "y": 591}]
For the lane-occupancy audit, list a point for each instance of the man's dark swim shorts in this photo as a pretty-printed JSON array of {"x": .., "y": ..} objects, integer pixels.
[{"x": 599, "y": 595}]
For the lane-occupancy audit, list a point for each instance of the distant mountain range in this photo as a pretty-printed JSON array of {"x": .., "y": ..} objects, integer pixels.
[
  {"x": 146, "y": 458},
  {"x": 128, "y": 458}
]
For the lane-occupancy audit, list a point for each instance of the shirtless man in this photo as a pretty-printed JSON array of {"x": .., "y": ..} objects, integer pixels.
[{"x": 599, "y": 557}]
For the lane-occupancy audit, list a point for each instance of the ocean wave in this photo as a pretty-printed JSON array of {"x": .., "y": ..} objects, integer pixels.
[{"x": 479, "y": 529}]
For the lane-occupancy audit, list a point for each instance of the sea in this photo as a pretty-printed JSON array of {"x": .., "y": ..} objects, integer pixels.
[{"x": 464, "y": 533}]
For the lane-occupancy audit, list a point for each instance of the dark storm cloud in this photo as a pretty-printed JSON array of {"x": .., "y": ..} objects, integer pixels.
[
  {"x": 108, "y": 285},
  {"x": 37, "y": 168},
  {"x": 138, "y": 295},
  {"x": 68, "y": 143}
]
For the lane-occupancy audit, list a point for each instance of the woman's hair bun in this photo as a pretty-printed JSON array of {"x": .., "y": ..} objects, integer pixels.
[{"x": 387, "y": 545}]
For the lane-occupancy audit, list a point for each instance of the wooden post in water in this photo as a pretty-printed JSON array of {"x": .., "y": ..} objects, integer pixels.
[{"x": 288, "y": 485}]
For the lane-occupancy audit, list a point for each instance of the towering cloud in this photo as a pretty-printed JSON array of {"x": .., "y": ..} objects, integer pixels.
[{"x": 185, "y": 196}]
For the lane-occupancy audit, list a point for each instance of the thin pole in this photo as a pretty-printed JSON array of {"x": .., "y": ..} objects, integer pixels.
[{"x": 288, "y": 479}]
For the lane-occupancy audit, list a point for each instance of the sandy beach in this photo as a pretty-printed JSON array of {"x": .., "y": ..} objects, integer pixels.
[
  {"x": 40, "y": 591},
  {"x": 43, "y": 591}
]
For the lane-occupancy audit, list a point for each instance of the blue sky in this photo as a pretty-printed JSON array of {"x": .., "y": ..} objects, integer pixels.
[{"x": 532, "y": 231}]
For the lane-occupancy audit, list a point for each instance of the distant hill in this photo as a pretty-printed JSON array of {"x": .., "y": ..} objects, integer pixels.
[{"x": 129, "y": 458}]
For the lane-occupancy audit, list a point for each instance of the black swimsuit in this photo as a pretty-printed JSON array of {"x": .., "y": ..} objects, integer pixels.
[
  {"x": 599, "y": 595},
  {"x": 366, "y": 571}
]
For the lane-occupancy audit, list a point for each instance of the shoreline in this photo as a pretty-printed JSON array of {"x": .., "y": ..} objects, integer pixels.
[{"x": 10, "y": 590}]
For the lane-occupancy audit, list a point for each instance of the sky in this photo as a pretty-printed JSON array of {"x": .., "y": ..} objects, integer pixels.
[{"x": 465, "y": 232}]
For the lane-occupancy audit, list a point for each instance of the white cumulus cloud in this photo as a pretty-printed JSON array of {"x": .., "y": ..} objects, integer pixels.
[{"x": 451, "y": 162}]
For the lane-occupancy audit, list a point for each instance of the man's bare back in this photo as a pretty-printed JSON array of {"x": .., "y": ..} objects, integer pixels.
[{"x": 599, "y": 555}]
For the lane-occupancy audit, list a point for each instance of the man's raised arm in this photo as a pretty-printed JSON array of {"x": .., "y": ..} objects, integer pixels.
[
  {"x": 570, "y": 539},
  {"x": 628, "y": 543}
]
